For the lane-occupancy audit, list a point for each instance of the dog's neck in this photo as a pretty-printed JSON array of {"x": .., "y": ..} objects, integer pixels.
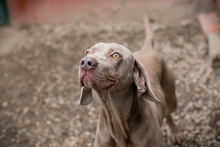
[{"x": 117, "y": 107}]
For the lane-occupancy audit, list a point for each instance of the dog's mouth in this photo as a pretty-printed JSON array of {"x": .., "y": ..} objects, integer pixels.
[
  {"x": 88, "y": 83},
  {"x": 109, "y": 88}
]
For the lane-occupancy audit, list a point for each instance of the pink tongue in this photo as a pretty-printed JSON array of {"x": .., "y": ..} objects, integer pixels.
[{"x": 88, "y": 83}]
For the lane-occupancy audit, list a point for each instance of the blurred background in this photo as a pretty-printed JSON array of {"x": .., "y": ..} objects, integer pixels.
[{"x": 42, "y": 42}]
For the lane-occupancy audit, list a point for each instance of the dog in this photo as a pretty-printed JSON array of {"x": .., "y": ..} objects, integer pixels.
[{"x": 136, "y": 92}]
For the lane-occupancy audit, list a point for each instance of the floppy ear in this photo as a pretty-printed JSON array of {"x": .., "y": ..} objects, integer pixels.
[
  {"x": 85, "y": 96},
  {"x": 142, "y": 82}
]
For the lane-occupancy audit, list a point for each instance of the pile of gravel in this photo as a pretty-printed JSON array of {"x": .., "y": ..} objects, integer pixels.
[{"x": 39, "y": 88}]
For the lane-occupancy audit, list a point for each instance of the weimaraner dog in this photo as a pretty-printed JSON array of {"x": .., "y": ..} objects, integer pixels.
[{"x": 136, "y": 92}]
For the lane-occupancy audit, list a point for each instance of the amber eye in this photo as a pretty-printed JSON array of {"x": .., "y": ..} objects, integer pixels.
[
  {"x": 116, "y": 55},
  {"x": 88, "y": 53}
]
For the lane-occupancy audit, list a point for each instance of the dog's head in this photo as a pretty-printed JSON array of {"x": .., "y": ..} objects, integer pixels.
[{"x": 112, "y": 67}]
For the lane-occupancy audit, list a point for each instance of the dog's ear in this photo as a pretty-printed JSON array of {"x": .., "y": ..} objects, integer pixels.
[
  {"x": 85, "y": 96},
  {"x": 142, "y": 82}
]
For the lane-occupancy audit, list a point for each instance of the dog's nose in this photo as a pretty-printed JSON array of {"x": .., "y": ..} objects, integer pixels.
[{"x": 88, "y": 63}]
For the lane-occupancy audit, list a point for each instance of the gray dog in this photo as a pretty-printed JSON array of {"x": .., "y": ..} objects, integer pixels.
[{"x": 136, "y": 92}]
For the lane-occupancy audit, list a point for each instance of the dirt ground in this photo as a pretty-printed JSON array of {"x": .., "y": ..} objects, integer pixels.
[{"x": 39, "y": 91}]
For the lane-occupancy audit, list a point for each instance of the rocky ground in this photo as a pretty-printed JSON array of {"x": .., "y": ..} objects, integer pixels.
[{"x": 39, "y": 91}]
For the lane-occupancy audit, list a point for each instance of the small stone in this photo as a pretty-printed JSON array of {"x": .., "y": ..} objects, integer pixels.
[
  {"x": 54, "y": 105},
  {"x": 81, "y": 140},
  {"x": 2, "y": 136},
  {"x": 25, "y": 110},
  {"x": 218, "y": 123},
  {"x": 37, "y": 113},
  {"x": 37, "y": 123},
  {"x": 61, "y": 101},
  {"x": 12, "y": 140},
  {"x": 87, "y": 133},
  {"x": 176, "y": 117},
  {"x": 28, "y": 121},
  {"x": 23, "y": 130},
  {"x": 5, "y": 75},
  {"x": 4, "y": 104},
  {"x": 49, "y": 122},
  {"x": 79, "y": 124},
  {"x": 47, "y": 100},
  {"x": 3, "y": 130}
]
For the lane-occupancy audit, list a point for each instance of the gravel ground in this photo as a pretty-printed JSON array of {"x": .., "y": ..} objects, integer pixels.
[{"x": 39, "y": 90}]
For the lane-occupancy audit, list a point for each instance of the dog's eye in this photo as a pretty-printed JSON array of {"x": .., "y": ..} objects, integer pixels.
[
  {"x": 116, "y": 55},
  {"x": 87, "y": 53}
]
